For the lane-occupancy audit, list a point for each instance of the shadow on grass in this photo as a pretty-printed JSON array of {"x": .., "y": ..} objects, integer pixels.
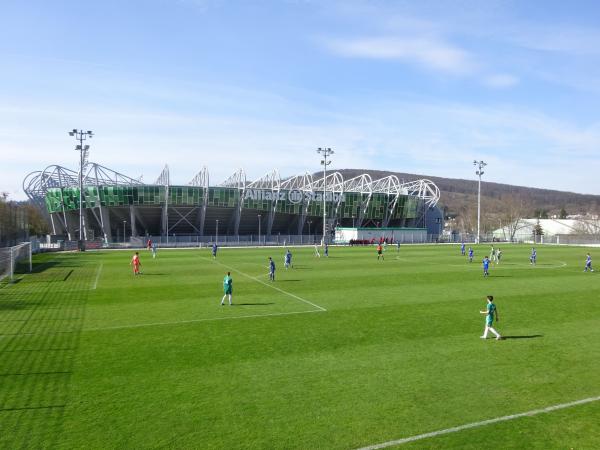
[
  {"x": 13, "y": 305},
  {"x": 285, "y": 281},
  {"x": 531, "y": 336},
  {"x": 144, "y": 274},
  {"x": 40, "y": 267}
]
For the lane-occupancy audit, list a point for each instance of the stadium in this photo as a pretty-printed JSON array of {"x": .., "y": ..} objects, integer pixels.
[{"x": 116, "y": 206}]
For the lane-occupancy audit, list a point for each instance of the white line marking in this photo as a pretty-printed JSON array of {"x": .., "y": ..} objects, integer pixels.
[
  {"x": 198, "y": 320},
  {"x": 534, "y": 412},
  {"x": 98, "y": 272},
  {"x": 273, "y": 287},
  {"x": 510, "y": 265}
]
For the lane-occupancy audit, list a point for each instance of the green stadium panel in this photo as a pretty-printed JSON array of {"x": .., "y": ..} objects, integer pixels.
[{"x": 111, "y": 200}]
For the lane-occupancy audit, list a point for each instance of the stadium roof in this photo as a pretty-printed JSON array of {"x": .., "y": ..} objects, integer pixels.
[{"x": 36, "y": 184}]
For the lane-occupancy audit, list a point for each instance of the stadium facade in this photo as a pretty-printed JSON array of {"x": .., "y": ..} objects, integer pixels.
[{"x": 270, "y": 205}]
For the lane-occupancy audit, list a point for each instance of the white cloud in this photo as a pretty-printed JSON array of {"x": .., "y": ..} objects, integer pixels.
[
  {"x": 501, "y": 81},
  {"x": 425, "y": 137},
  {"x": 559, "y": 38},
  {"x": 432, "y": 53}
]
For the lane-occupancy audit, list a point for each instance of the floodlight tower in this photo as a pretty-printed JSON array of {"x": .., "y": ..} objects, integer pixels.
[
  {"x": 325, "y": 152},
  {"x": 81, "y": 136},
  {"x": 479, "y": 165}
]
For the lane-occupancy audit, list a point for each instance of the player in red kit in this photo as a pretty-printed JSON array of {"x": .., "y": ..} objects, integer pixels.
[{"x": 135, "y": 262}]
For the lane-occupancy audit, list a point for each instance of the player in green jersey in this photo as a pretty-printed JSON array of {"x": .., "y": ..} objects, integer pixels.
[
  {"x": 490, "y": 312},
  {"x": 227, "y": 288}
]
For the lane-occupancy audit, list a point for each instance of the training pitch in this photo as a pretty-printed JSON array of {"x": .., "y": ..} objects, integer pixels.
[{"x": 338, "y": 353}]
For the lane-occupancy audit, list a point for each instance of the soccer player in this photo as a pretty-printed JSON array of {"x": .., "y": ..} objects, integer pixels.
[
  {"x": 288, "y": 259},
  {"x": 588, "y": 264},
  {"x": 317, "y": 254},
  {"x": 380, "y": 252},
  {"x": 149, "y": 244},
  {"x": 470, "y": 254},
  {"x": 135, "y": 262},
  {"x": 462, "y": 248},
  {"x": 227, "y": 288},
  {"x": 493, "y": 254},
  {"x": 398, "y": 247},
  {"x": 154, "y": 250},
  {"x": 326, "y": 250},
  {"x": 486, "y": 266},
  {"x": 490, "y": 312},
  {"x": 498, "y": 256},
  {"x": 214, "y": 250},
  {"x": 533, "y": 257},
  {"x": 271, "y": 269}
]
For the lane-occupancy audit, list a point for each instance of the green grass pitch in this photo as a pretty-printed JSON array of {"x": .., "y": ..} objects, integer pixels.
[{"x": 338, "y": 353}]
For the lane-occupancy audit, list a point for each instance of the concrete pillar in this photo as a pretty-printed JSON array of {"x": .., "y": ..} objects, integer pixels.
[{"x": 132, "y": 215}]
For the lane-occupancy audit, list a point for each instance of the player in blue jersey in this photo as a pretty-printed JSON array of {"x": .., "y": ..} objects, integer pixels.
[
  {"x": 588, "y": 264},
  {"x": 462, "y": 249},
  {"x": 533, "y": 257},
  {"x": 470, "y": 254},
  {"x": 288, "y": 259},
  {"x": 490, "y": 312},
  {"x": 486, "y": 266},
  {"x": 214, "y": 250},
  {"x": 227, "y": 288},
  {"x": 271, "y": 269}
]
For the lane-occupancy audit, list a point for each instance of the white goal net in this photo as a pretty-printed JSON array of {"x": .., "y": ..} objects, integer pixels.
[{"x": 15, "y": 259}]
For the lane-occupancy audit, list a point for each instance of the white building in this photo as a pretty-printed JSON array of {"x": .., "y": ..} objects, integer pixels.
[{"x": 523, "y": 229}]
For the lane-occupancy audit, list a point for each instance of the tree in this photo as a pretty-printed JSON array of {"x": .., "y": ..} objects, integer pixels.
[
  {"x": 589, "y": 225},
  {"x": 19, "y": 220},
  {"x": 466, "y": 220},
  {"x": 537, "y": 231},
  {"x": 7, "y": 220},
  {"x": 37, "y": 223},
  {"x": 563, "y": 213},
  {"x": 513, "y": 215}
]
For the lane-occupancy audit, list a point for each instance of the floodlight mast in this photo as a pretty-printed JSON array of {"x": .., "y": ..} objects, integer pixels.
[
  {"x": 81, "y": 136},
  {"x": 479, "y": 165},
  {"x": 325, "y": 152}
]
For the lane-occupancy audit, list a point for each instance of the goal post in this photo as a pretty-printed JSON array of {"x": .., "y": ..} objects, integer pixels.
[{"x": 12, "y": 258}]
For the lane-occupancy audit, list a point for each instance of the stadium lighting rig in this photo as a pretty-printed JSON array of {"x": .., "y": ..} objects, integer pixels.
[
  {"x": 83, "y": 150},
  {"x": 325, "y": 153},
  {"x": 479, "y": 165}
]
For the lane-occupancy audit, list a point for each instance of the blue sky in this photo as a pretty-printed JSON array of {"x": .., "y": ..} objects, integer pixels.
[{"x": 414, "y": 86}]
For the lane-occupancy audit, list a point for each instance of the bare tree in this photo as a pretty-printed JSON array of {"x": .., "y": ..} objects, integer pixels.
[
  {"x": 513, "y": 215},
  {"x": 466, "y": 220},
  {"x": 589, "y": 225},
  {"x": 18, "y": 220}
]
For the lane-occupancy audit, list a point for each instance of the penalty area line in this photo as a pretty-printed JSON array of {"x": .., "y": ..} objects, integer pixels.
[
  {"x": 467, "y": 426},
  {"x": 98, "y": 272},
  {"x": 212, "y": 319},
  {"x": 320, "y": 308}
]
